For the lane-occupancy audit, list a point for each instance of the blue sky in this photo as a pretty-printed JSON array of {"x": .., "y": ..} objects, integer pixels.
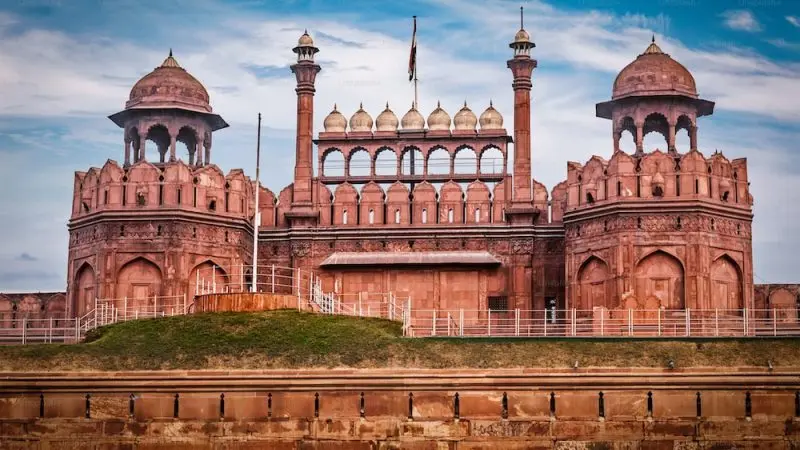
[{"x": 65, "y": 66}]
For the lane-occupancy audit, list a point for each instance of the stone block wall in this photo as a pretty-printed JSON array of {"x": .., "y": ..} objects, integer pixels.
[{"x": 383, "y": 410}]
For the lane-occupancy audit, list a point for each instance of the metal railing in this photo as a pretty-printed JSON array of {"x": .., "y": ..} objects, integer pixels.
[{"x": 605, "y": 323}]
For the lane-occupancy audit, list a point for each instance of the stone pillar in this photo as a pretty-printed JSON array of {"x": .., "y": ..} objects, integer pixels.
[
  {"x": 172, "y": 142},
  {"x": 693, "y": 137},
  {"x": 199, "y": 151},
  {"x": 639, "y": 137},
  {"x": 127, "y": 152},
  {"x": 521, "y": 210},
  {"x": 671, "y": 138},
  {"x": 616, "y": 135},
  {"x": 142, "y": 145},
  {"x": 207, "y": 146},
  {"x": 302, "y": 212}
]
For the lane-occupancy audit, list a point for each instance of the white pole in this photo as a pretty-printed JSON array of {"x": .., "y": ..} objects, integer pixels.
[
  {"x": 257, "y": 213},
  {"x": 197, "y": 283}
]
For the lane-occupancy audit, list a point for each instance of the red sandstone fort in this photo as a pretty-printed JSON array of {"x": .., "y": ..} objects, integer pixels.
[{"x": 427, "y": 209}]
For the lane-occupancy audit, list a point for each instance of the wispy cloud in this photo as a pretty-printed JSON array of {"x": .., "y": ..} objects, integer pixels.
[
  {"x": 794, "y": 20},
  {"x": 742, "y": 20},
  {"x": 26, "y": 257},
  {"x": 783, "y": 43}
]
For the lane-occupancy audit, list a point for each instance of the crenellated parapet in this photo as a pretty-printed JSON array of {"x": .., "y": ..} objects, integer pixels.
[
  {"x": 145, "y": 187},
  {"x": 659, "y": 177}
]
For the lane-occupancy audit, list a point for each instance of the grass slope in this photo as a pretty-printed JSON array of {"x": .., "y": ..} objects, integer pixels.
[{"x": 290, "y": 339}]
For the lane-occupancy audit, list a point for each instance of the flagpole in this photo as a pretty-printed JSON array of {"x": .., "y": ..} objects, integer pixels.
[
  {"x": 257, "y": 215},
  {"x": 416, "y": 91}
]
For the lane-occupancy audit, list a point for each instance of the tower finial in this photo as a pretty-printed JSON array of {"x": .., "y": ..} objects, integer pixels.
[
  {"x": 170, "y": 52},
  {"x": 521, "y": 22},
  {"x": 654, "y": 39},
  {"x": 305, "y": 31}
]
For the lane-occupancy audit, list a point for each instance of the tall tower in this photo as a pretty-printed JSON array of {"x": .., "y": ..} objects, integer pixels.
[
  {"x": 522, "y": 211},
  {"x": 302, "y": 213}
]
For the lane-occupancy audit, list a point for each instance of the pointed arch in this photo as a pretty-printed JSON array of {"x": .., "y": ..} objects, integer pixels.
[
  {"x": 84, "y": 289},
  {"x": 332, "y": 163},
  {"x": 465, "y": 160},
  {"x": 594, "y": 276},
  {"x": 438, "y": 161},
  {"x": 659, "y": 279},
  {"x": 208, "y": 276},
  {"x": 385, "y": 162},
  {"x": 726, "y": 284},
  {"x": 139, "y": 280}
]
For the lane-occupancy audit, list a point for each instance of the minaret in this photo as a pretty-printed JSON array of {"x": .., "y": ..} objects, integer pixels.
[
  {"x": 302, "y": 212},
  {"x": 521, "y": 211}
]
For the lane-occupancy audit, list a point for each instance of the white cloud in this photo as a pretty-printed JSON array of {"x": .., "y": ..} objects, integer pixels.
[
  {"x": 794, "y": 20},
  {"x": 741, "y": 20},
  {"x": 783, "y": 43}
]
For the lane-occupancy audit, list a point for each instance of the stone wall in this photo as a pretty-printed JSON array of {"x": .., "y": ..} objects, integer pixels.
[{"x": 376, "y": 409}]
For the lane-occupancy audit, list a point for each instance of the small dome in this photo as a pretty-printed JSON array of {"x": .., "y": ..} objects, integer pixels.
[
  {"x": 361, "y": 121},
  {"x": 386, "y": 120},
  {"x": 305, "y": 40},
  {"x": 335, "y": 122},
  {"x": 169, "y": 86},
  {"x": 522, "y": 36},
  {"x": 491, "y": 119},
  {"x": 439, "y": 119},
  {"x": 658, "y": 179},
  {"x": 654, "y": 73},
  {"x": 465, "y": 119},
  {"x": 413, "y": 120}
]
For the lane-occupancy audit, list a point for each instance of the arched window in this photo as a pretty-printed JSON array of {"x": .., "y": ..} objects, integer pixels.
[
  {"x": 477, "y": 215},
  {"x": 371, "y": 216},
  {"x": 450, "y": 215},
  {"x": 424, "y": 215},
  {"x": 344, "y": 217},
  {"x": 396, "y": 216}
]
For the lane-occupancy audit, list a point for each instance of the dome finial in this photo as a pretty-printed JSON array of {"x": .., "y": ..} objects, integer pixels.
[
  {"x": 360, "y": 105},
  {"x": 490, "y": 103},
  {"x": 521, "y": 22},
  {"x": 170, "y": 51},
  {"x": 334, "y": 107},
  {"x": 305, "y": 30},
  {"x": 387, "y": 105},
  {"x": 438, "y": 104},
  {"x": 653, "y": 41}
]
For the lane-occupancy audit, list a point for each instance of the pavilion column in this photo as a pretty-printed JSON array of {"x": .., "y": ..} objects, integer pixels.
[
  {"x": 639, "y": 137},
  {"x": 199, "y": 152},
  {"x": 127, "y": 152},
  {"x": 142, "y": 145},
  {"x": 693, "y": 137},
  {"x": 671, "y": 137},
  {"x": 172, "y": 142}
]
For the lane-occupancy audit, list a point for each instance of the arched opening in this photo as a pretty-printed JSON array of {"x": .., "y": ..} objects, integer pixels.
[
  {"x": 726, "y": 285},
  {"x": 465, "y": 161},
  {"x": 626, "y": 139},
  {"x": 784, "y": 305},
  {"x": 188, "y": 137},
  {"x": 371, "y": 216},
  {"x": 397, "y": 216},
  {"x": 492, "y": 161},
  {"x": 360, "y": 163},
  {"x": 83, "y": 290},
  {"x": 208, "y": 277},
  {"x": 450, "y": 215},
  {"x": 682, "y": 139},
  {"x": 135, "y": 142},
  {"x": 424, "y": 215},
  {"x": 413, "y": 162},
  {"x": 139, "y": 281},
  {"x": 439, "y": 162},
  {"x": 659, "y": 282},
  {"x": 333, "y": 164},
  {"x": 344, "y": 217},
  {"x": 386, "y": 162},
  {"x": 159, "y": 135},
  {"x": 655, "y": 132},
  {"x": 593, "y": 278}
]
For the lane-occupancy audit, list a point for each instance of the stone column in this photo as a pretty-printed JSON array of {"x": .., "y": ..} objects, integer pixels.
[
  {"x": 639, "y": 137},
  {"x": 207, "y": 146},
  {"x": 172, "y": 142},
  {"x": 127, "y": 152},
  {"x": 693, "y": 137},
  {"x": 671, "y": 138},
  {"x": 142, "y": 145},
  {"x": 199, "y": 152}
]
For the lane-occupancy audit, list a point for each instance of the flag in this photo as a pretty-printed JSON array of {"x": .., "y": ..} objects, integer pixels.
[{"x": 412, "y": 59}]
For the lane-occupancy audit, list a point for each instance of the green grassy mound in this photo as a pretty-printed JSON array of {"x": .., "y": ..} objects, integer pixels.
[{"x": 291, "y": 339}]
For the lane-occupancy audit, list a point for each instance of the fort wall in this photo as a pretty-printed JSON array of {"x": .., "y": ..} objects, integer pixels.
[{"x": 379, "y": 409}]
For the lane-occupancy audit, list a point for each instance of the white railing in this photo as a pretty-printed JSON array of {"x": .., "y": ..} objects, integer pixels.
[{"x": 600, "y": 323}]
